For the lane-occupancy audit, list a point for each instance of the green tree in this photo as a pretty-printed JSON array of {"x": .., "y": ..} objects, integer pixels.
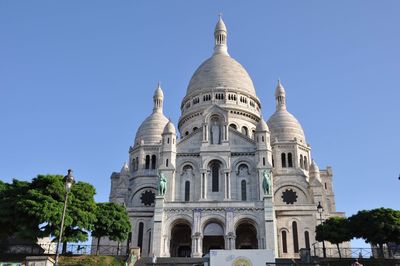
[
  {"x": 335, "y": 230},
  {"x": 112, "y": 221},
  {"x": 377, "y": 226},
  {"x": 13, "y": 221},
  {"x": 44, "y": 202}
]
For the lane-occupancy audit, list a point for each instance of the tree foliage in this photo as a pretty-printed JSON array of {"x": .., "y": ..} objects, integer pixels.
[
  {"x": 112, "y": 221},
  {"x": 335, "y": 230},
  {"x": 34, "y": 209},
  {"x": 45, "y": 201},
  {"x": 13, "y": 221},
  {"x": 377, "y": 226}
]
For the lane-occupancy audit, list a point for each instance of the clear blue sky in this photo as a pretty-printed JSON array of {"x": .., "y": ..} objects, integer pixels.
[{"x": 77, "y": 79}]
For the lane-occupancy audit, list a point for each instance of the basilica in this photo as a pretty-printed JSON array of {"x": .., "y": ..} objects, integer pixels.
[{"x": 222, "y": 177}]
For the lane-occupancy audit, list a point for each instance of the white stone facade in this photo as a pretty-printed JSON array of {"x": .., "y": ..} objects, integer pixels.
[{"x": 215, "y": 169}]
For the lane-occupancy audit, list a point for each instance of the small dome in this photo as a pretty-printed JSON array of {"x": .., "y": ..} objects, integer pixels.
[
  {"x": 314, "y": 167},
  {"x": 125, "y": 168},
  {"x": 284, "y": 126},
  {"x": 158, "y": 93},
  {"x": 262, "y": 126},
  {"x": 169, "y": 128},
  {"x": 151, "y": 129},
  {"x": 220, "y": 25},
  {"x": 280, "y": 90},
  {"x": 221, "y": 70}
]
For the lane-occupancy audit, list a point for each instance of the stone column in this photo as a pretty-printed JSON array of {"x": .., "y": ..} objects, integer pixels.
[
  {"x": 227, "y": 185},
  {"x": 196, "y": 248},
  {"x": 270, "y": 236},
  {"x": 157, "y": 242},
  {"x": 203, "y": 185},
  {"x": 166, "y": 252}
]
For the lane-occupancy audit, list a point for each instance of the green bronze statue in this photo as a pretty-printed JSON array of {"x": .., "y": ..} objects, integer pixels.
[
  {"x": 267, "y": 182},
  {"x": 162, "y": 187}
]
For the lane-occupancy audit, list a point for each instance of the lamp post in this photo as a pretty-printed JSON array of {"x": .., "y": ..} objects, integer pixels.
[
  {"x": 69, "y": 180},
  {"x": 320, "y": 210}
]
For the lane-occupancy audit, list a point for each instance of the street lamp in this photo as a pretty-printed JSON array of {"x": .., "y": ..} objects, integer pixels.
[
  {"x": 320, "y": 210},
  {"x": 69, "y": 180}
]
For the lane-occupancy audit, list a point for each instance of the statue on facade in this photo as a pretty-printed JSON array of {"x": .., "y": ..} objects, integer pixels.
[
  {"x": 215, "y": 133},
  {"x": 162, "y": 187},
  {"x": 267, "y": 182}
]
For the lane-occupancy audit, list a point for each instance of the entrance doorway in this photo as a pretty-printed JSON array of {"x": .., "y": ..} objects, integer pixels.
[
  {"x": 181, "y": 241},
  {"x": 246, "y": 236},
  {"x": 213, "y": 237}
]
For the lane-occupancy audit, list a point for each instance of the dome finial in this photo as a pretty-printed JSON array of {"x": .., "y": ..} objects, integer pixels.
[
  {"x": 280, "y": 96},
  {"x": 158, "y": 98},
  {"x": 220, "y": 36}
]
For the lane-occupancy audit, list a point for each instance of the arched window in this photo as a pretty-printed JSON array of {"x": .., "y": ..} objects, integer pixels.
[
  {"x": 187, "y": 191},
  {"x": 305, "y": 163},
  {"x": 289, "y": 159},
  {"x": 147, "y": 165},
  {"x": 133, "y": 164},
  {"x": 284, "y": 242},
  {"x": 295, "y": 238},
  {"x": 149, "y": 246},
  {"x": 283, "y": 159},
  {"x": 263, "y": 161},
  {"x": 233, "y": 126},
  {"x": 273, "y": 163},
  {"x": 167, "y": 140},
  {"x": 307, "y": 239},
  {"x": 253, "y": 135},
  {"x": 166, "y": 162},
  {"x": 245, "y": 131},
  {"x": 186, "y": 133},
  {"x": 243, "y": 187},
  {"x": 301, "y": 161},
  {"x": 215, "y": 176},
  {"x": 140, "y": 236},
  {"x": 262, "y": 138},
  {"x": 153, "y": 162},
  {"x": 195, "y": 128}
]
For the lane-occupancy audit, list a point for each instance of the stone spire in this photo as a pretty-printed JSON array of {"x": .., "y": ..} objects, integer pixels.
[
  {"x": 280, "y": 96},
  {"x": 220, "y": 36},
  {"x": 158, "y": 99}
]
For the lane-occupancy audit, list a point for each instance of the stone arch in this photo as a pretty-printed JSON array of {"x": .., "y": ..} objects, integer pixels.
[
  {"x": 241, "y": 161},
  {"x": 173, "y": 220},
  {"x": 135, "y": 199},
  {"x": 213, "y": 231},
  {"x": 234, "y": 125},
  {"x": 213, "y": 218},
  {"x": 292, "y": 184},
  {"x": 283, "y": 240},
  {"x": 216, "y": 112},
  {"x": 180, "y": 235},
  {"x": 247, "y": 234},
  {"x": 218, "y": 158}
]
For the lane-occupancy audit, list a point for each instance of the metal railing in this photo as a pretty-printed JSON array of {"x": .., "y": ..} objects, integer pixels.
[
  {"x": 355, "y": 252},
  {"x": 72, "y": 249}
]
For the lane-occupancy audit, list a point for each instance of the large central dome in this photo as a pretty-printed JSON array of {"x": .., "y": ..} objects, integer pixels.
[{"x": 221, "y": 70}]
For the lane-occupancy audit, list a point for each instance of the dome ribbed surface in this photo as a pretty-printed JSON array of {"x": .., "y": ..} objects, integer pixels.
[
  {"x": 151, "y": 129},
  {"x": 284, "y": 126},
  {"x": 262, "y": 126},
  {"x": 169, "y": 128},
  {"x": 221, "y": 71}
]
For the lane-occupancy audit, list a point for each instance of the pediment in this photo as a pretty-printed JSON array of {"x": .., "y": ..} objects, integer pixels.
[
  {"x": 238, "y": 139},
  {"x": 191, "y": 142}
]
